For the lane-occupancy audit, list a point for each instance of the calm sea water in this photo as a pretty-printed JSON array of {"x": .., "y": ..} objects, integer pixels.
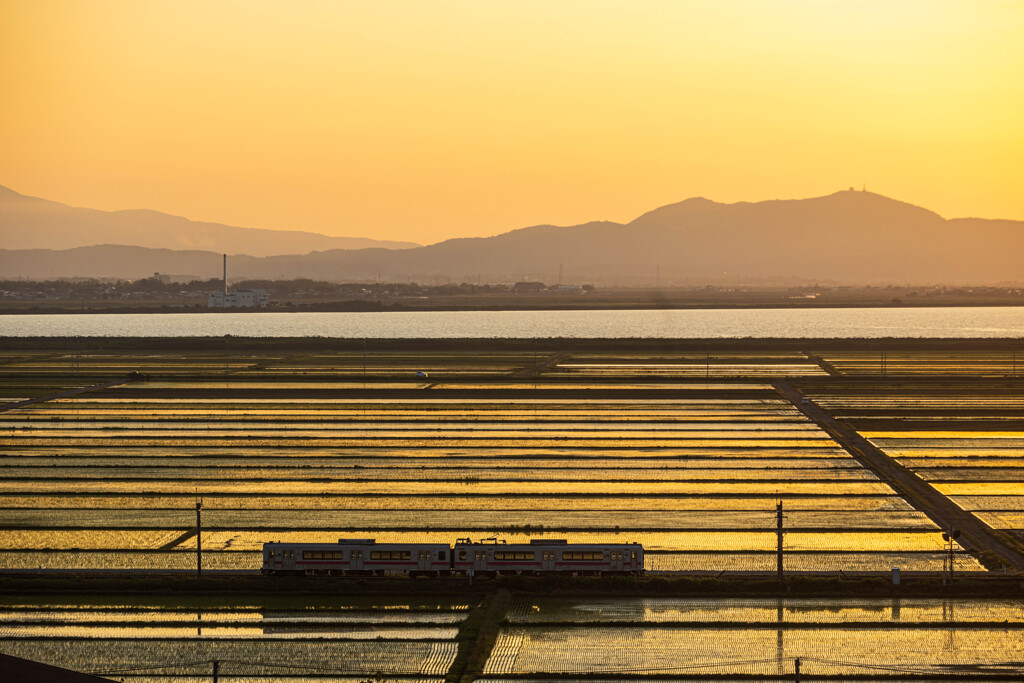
[{"x": 668, "y": 324}]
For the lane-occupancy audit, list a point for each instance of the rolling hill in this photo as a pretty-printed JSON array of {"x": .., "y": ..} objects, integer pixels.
[{"x": 33, "y": 223}]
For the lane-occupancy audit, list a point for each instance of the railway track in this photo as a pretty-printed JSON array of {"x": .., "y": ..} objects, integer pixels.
[{"x": 680, "y": 573}]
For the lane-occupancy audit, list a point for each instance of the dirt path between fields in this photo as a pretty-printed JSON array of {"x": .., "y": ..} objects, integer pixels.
[{"x": 64, "y": 394}]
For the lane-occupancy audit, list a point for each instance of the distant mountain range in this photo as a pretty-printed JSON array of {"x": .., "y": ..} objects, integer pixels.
[
  {"x": 33, "y": 223},
  {"x": 847, "y": 237}
]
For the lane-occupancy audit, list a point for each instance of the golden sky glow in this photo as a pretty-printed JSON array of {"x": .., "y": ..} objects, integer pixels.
[{"x": 426, "y": 120}]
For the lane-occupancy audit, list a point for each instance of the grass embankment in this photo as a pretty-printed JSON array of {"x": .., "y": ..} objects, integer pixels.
[{"x": 477, "y": 635}]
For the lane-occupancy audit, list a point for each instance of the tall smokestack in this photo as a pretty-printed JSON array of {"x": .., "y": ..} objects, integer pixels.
[{"x": 225, "y": 274}]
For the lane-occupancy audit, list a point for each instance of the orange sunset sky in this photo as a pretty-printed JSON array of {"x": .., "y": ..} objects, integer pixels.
[{"x": 423, "y": 120}]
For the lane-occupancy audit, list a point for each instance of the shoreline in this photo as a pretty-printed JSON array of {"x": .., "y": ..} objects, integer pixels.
[
  {"x": 672, "y": 346},
  {"x": 382, "y": 307}
]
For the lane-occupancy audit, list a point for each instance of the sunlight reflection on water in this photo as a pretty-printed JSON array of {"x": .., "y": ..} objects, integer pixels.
[{"x": 974, "y": 322}]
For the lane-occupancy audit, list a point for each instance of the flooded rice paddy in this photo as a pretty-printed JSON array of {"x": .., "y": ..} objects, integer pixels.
[
  {"x": 694, "y": 471},
  {"x": 823, "y": 651},
  {"x": 165, "y": 641},
  {"x": 673, "y": 638},
  {"x": 967, "y": 444},
  {"x": 687, "y": 453},
  {"x": 335, "y": 640}
]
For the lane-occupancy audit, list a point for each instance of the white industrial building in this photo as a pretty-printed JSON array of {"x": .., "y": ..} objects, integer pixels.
[{"x": 240, "y": 298}]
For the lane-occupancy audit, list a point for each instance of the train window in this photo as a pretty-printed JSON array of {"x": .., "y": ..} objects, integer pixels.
[
  {"x": 462, "y": 554},
  {"x": 442, "y": 555},
  {"x": 310, "y": 555},
  {"x": 579, "y": 555},
  {"x": 390, "y": 555},
  {"x": 515, "y": 556}
]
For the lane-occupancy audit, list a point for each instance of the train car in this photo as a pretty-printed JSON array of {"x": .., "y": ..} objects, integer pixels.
[
  {"x": 546, "y": 556},
  {"x": 357, "y": 556}
]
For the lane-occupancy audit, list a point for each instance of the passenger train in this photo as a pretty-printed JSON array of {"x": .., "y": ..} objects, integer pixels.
[{"x": 490, "y": 557}]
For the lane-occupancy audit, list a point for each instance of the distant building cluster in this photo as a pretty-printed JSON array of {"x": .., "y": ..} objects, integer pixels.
[
  {"x": 534, "y": 287},
  {"x": 240, "y": 298}
]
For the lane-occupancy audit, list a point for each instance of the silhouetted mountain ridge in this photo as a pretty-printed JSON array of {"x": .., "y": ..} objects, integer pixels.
[
  {"x": 34, "y": 223},
  {"x": 846, "y": 237}
]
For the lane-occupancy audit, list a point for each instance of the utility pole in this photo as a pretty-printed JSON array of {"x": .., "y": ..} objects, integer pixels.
[
  {"x": 950, "y": 538},
  {"x": 76, "y": 357},
  {"x": 199, "y": 538},
  {"x": 779, "y": 532},
  {"x": 951, "y": 555},
  {"x": 216, "y": 667},
  {"x": 796, "y": 668}
]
